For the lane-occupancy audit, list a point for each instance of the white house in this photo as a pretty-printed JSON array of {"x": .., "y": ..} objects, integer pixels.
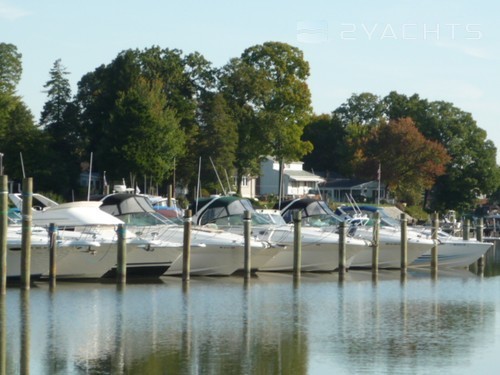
[
  {"x": 248, "y": 187},
  {"x": 296, "y": 181},
  {"x": 342, "y": 189}
]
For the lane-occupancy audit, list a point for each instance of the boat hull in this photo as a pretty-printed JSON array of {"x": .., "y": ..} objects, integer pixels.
[{"x": 454, "y": 254}]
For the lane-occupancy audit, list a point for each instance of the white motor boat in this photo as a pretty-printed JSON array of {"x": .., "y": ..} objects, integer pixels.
[
  {"x": 317, "y": 214},
  {"x": 213, "y": 252},
  {"x": 453, "y": 252},
  {"x": 86, "y": 238},
  {"x": 40, "y": 256},
  {"x": 319, "y": 247}
]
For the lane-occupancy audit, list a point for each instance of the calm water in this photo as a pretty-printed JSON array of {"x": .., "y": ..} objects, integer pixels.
[{"x": 418, "y": 325}]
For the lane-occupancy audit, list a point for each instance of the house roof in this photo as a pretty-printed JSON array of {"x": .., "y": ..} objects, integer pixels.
[
  {"x": 296, "y": 175},
  {"x": 345, "y": 183}
]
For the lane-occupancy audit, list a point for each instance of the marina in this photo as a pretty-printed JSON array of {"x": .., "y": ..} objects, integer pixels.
[
  {"x": 404, "y": 318},
  {"x": 320, "y": 324}
]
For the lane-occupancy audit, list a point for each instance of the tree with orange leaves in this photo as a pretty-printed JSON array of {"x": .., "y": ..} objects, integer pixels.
[{"x": 411, "y": 163}]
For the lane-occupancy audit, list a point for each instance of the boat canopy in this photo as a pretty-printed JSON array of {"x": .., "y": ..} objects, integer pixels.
[
  {"x": 224, "y": 210},
  {"x": 122, "y": 204}
]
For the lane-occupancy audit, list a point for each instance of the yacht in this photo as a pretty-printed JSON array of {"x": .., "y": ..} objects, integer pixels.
[
  {"x": 213, "y": 251},
  {"x": 319, "y": 247},
  {"x": 316, "y": 213}
]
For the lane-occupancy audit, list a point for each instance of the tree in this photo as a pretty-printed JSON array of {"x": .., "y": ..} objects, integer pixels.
[
  {"x": 267, "y": 91},
  {"x": 59, "y": 96},
  {"x": 182, "y": 80},
  {"x": 18, "y": 133},
  {"x": 10, "y": 74},
  {"x": 23, "y": 137},
  {"x": 144, "y": 135},
  {"x": 10, "y": 68},
  {"x": 60, "y": 121},
  {"x": 361, "y": 109},
  {"x": 331, "y": 151},
  {"x": 217, "y": 141},
  {"x": 472, "y": 167},
  {"x": 411, "y": 163}
]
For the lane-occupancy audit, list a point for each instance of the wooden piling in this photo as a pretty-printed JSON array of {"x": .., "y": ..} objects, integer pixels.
[
  {"x": 434, "y": 251},
  {"x": 375, "y": 241},
  {"x": 186, "y": 249},
  {"x": 297, "y": 243},
  {"x": 247, "y": 223},
  {"x": 26, "y": 230},
  {"x": 342, "y": 248},
  {"x": 466, "y": 230},
  {"x": 4, "y": 219},
  {"x": 169, "y": 196},
  {"x": 121, "y": 262},
  {"x": 479, "y": 238},
  {"x": 53, "y": 253},
  {"x": 404, "y": 242}
]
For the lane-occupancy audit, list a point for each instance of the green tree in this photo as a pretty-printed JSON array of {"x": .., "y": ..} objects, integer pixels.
[
  {"x": 10, "y": 74},
  {"x": 18, "y": 133},
  {"x": 361, "y": 109},
  {"x": 217, "y": 141},
  {"x": 182, "y": 78},
  {"x": 10, "y": 68},
  {"x": 24, "y": 138},
  {"x": 331, "y": 151},
  {"x": 143, "y": 135},
  {"x": 267, "y": 91},
  {"x": 60, "y": 123},
  {"x": 59, "y": 96}
]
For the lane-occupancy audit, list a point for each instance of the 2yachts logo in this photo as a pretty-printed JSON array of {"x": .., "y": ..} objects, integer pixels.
[{"x": 320, "y": 31}]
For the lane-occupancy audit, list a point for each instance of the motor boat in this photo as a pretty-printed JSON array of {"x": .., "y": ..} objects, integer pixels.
[
  {"x": 213, "y": 251},
  {"x": 319, "y": 247},
  {"x": 316, "y": 213}
]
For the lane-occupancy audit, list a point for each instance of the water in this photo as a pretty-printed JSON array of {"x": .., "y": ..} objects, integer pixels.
[{"x": 270, "y": 325}]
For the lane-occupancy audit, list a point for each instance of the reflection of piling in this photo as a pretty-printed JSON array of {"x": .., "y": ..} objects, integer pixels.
[
  {"x": 479, "y": 238},
  {"x": 25, "y": 333},
  {"x": 53, "y": 252},
  {"x": 121, "y": 268},
  {"x": 3, "y": 335},
  {"x": 186, "y": 249},
  {"x": 342, "y": 248},
  {"x": 4, "y": 206},
  {"x": 404, "y": 243},
  {"x": 297, "y": 243},
  {"x": 434, "y": 251},
  {"x": 375, "y": 241},
  {"x": 186, "y": 338},
  {"x": 26, "y": 230},
  {"x": 247, "y": 223}
]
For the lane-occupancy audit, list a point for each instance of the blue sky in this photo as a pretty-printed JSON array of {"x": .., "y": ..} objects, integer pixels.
[{"x": 446, "y": 50}]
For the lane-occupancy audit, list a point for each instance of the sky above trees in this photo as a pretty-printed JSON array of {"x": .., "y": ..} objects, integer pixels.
[{"x": 443, "y": 51}]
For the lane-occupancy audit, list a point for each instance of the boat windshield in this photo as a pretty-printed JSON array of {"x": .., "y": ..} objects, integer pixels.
[
  {"x": 316, "y": 214},
  {"x": 322, "y": 220},
  {"x": 231, "y": 214},
  {"x": 145, "y": 219}
]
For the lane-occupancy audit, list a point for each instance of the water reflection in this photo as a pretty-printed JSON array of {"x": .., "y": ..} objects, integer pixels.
[
  {"x": 3, "y": 335},
  {"x": 272, "y": 323}
]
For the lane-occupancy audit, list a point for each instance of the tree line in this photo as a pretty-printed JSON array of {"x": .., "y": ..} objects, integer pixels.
[{"x": 160, "y": 113}]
